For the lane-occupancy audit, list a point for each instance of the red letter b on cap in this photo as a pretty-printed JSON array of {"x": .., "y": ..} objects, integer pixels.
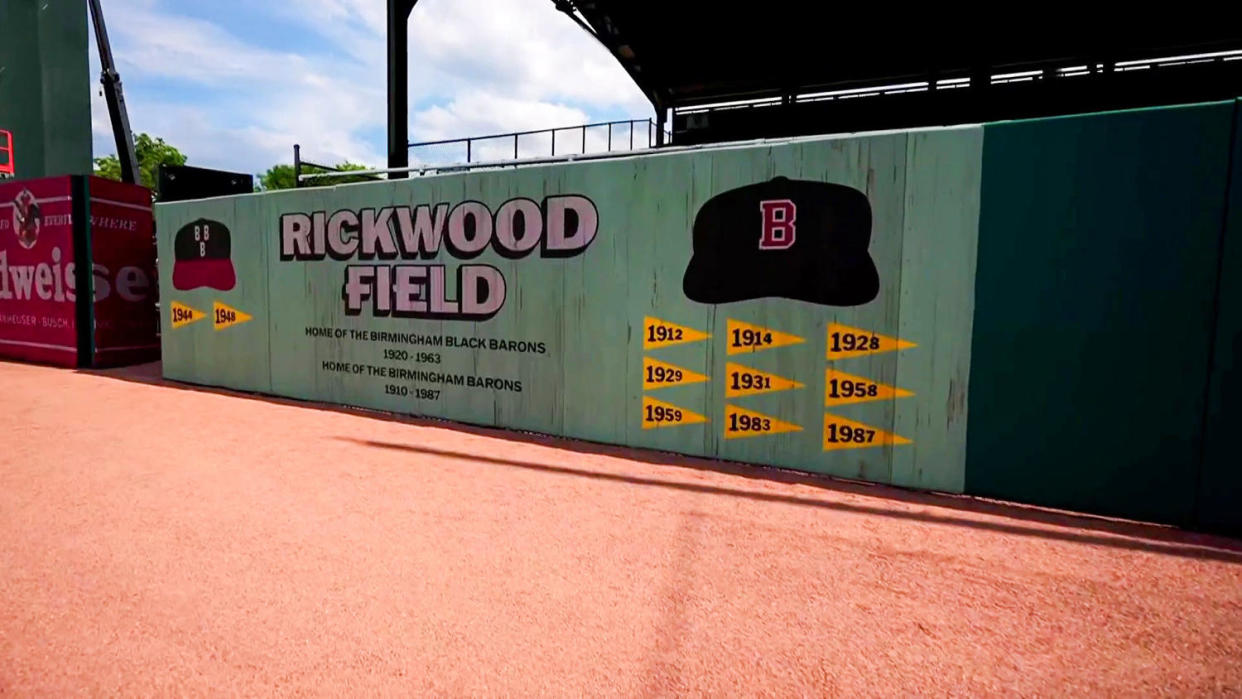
[{"x": 779, "y": 230}]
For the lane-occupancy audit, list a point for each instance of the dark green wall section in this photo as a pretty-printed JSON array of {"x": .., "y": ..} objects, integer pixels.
[
  {"x": 1220, "y": 487},
  {"x": 1096, "y": 289},
  {"x": 45, "y": 86}
]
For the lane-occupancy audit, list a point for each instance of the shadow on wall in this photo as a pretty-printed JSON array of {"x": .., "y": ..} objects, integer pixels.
[{"x": 1118, "y": 534}]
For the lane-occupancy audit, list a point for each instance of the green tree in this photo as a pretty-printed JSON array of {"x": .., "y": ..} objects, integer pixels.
[
  {"x": 152, "y": 152},
  {"x": 281, "y": 176},
  {"x": 276, "y": 177}
]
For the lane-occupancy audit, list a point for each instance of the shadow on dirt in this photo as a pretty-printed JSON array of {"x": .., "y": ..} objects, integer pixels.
[{"x": 1113, "y": 533}]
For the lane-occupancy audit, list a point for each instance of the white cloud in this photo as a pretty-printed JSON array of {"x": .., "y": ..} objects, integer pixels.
[
  {"x": 514, "y": 48},
  {"x": 476, "y": 67},
  {"x": 156, "y": 44},
  {"x": 234, "y": 105},
  {"x": 478, "y": 112}
]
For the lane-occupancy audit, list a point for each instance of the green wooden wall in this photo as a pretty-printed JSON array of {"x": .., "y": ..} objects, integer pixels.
[
  {"x": 45, "y": 86},
  {"x": 589, "y": 310},
  {"x": 1099, "y": 241},
  {"x": 1220, "y": 485},
  {"x": 1070, "y": 285}
]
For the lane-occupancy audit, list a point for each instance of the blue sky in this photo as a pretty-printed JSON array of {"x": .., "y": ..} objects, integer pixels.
[{"x": 235, "y": 84}]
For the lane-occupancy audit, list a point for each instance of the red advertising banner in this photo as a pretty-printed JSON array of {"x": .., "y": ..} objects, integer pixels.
[
  {"x": 37, "y": 290},
  {"x": 123, "y": 254}
]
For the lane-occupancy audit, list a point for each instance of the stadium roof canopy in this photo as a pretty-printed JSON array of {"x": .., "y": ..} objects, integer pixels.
[
  {"x": 699, "y": 51},
  {"x": 742, "y": 70},
  {"x": 785, "y": 68}
]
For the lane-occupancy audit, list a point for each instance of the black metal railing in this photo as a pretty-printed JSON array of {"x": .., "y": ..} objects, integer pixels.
[
  {"x": 299, "y": 165},
  {"x": 622, "y": 135},
  {"x": 627, "y": 136}
]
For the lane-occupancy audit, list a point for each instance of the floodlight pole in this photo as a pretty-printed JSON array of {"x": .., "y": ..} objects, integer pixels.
[
  {"x": 398, "y": 85},
  {"x": 116, "y": 101}
]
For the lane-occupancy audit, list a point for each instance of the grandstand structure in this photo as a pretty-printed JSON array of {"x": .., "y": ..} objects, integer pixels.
[{"x": 796, "y": 69}]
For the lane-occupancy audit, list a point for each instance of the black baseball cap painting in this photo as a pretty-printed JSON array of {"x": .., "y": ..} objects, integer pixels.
[
  {"x": 796, "y": 239},
  {"x": 201, "y": 252}
]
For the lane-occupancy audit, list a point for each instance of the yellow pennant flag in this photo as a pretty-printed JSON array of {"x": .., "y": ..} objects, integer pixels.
[
  {"x": 661, "y": 333},
  {"x": 658, "y": 374},
  {"x": 657, "y": 413},
  {"x": 184, "y": 315},
  {"x": 746, "y": 337},
  {"x": 841, "y": 388},
  {"x": 744, "y": 381},
  {"x": 845, "y": 342},
  {"x": 840, "y": 433},
  {"x": 227, "y": 316},
  {"x": 741, "y": 423}
]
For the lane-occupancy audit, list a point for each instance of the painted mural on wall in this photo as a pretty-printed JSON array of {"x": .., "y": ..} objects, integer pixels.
[
  {"x": 202, "y": 257},
  {"x": 798, "y": 240},
  {"x": 747, "y": 303},
  {"x": 807, "y": 303},
  {"x": 420, "y": 286}
]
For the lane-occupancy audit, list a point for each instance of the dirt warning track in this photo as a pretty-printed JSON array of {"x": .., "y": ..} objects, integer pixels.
[{"x": 158, "y": 539}]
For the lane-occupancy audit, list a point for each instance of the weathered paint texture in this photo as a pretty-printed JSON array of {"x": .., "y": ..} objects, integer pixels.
[
  {"x": 1057, "y": 320},
  {"x": 45, "y": 86},
  {"x": 588, "y": 311}
]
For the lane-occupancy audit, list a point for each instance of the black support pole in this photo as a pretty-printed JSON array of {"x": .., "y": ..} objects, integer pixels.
[
  {"x": 115, "y": 98},
  {"x": 661, "y": 114},
  {"x": 297, "y": 166},
  {"x": 398, "y": 86}
]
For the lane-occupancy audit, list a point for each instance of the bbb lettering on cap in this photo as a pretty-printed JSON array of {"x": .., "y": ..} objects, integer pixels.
[{"x": 202, "y": 251}]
